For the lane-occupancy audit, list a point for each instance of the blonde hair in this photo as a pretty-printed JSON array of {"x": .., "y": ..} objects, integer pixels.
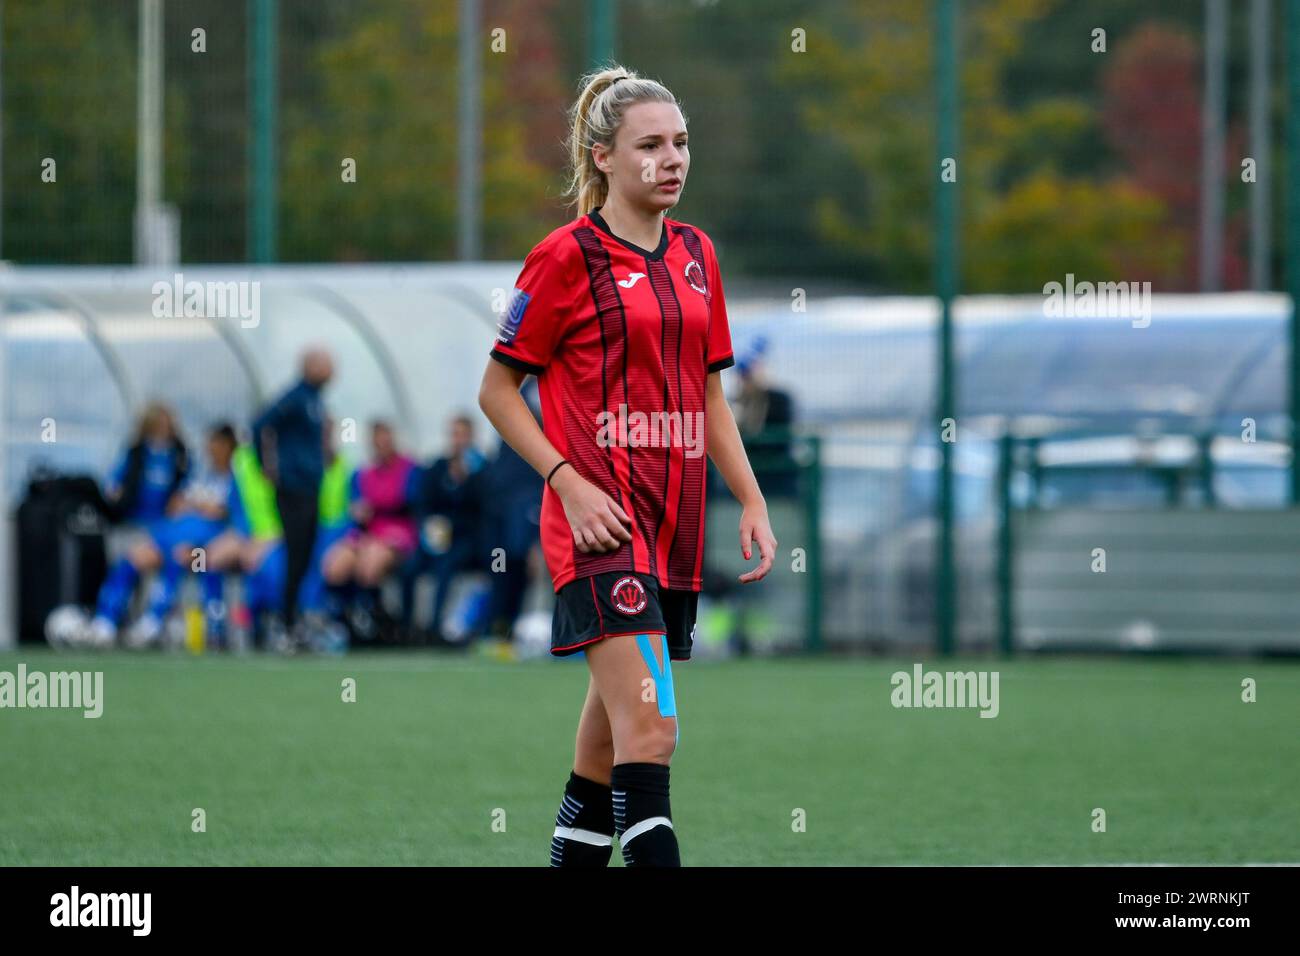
[
  {"x": 595, "y": 117},
  {"x": 153, "y": 415}
]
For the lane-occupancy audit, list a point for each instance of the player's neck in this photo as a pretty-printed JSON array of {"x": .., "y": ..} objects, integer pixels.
[{"x": 641, "y": 227}]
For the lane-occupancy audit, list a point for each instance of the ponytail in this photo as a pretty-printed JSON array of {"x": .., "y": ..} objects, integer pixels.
[{"x": 595, "y": 118}]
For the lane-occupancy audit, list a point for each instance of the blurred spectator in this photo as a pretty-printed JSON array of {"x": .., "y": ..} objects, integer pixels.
[
  {"x": 151, "y": 470},
  {"x": 263, "y": 556},
  {"x": 765, "y": 416},
  {"x": 200, "y": 515},
  {"x": 384, "y": 534},
  {"x": 448, "y": 504},
  {"x": 288, "y": 437},
  {"x": 512, "y": 497}
]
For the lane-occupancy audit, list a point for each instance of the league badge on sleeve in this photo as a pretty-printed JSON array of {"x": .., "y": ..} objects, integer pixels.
[{"x": 509, "y": 325}]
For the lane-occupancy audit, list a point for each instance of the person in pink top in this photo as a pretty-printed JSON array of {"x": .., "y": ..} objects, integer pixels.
[{"x": 383, "y": 533}]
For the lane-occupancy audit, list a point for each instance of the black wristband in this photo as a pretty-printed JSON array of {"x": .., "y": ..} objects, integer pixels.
[{"x": 558, "y": 465}]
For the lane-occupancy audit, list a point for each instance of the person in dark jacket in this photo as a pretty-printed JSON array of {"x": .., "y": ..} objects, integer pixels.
[
  {"x": 289, "y": 439},
  {"x": 448, "y": 503},
  {"x": 512, "y": 496}
]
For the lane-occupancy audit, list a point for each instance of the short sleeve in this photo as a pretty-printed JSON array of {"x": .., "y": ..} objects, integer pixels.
[
  {"x": 539, "y": 308},
  {"x": 720, "y": 352}
]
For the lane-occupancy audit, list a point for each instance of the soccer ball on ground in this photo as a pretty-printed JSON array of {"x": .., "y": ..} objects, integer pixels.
[{"x": 66, "y": 626}]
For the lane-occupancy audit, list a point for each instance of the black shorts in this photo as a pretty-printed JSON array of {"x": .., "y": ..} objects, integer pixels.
[{"x": 622, "y": 603}]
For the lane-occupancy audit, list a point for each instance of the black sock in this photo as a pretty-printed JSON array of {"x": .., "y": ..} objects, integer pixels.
[
  {"x": 642, "y": 817},
  {"x": 584, "y": 827}
]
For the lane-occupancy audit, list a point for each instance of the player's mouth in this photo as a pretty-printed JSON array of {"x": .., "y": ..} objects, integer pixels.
[{"x": 670, "y": 185}]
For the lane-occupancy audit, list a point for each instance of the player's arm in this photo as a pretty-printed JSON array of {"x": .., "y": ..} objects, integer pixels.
[
  {"x": 727, "y": 452},
  {"x": 598, "y": 523}
]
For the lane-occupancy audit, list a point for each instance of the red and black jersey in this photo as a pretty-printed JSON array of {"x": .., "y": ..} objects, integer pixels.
[{"x": 622, "y": 340}]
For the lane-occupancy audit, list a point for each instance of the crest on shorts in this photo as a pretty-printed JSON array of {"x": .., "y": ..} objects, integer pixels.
[{"x": 628, "y": 595}]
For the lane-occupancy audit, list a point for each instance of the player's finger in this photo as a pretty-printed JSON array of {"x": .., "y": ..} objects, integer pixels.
[
  {"x": 618, "y": 512},
  {"x": 615, "y": 526},
  {"x": 604, "y": 540},
  {"x": 580, "y": 539},
  {"x": 767, "y": 551},
  {"x": 746, "y": 537}
]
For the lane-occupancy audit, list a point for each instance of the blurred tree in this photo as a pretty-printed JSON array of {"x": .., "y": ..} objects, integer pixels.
[
  {"x": 873, "y": 91},
  {"x": 1152, "y": 119},
  {"x": 70, "y": 96},
  {"x": 388, "y": 101},
  {"x": 1046, "y": 226}
]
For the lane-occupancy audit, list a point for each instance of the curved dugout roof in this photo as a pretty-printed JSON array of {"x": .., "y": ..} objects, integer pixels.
[{"x": 83, "y": 346}]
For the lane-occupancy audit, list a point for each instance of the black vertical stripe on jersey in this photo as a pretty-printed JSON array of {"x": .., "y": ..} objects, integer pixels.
[
  {"x": 681, "y": 485},
  {"x": 609, "y": 318},
  {"x": 670, "y": 317},
  {"x": 682, "y": 570}
]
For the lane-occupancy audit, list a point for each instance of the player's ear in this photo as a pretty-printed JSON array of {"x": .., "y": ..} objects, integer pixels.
[{"x": 600, "y": 155}]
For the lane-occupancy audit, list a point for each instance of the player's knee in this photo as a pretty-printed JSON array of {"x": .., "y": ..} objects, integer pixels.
[
  {"x": 146, "y": 558},
  {"x": 371, "y": 572},
  {"x": 652, "y": 742}
]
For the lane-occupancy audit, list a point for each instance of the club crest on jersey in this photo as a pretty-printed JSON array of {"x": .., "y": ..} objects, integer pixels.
[
  {"x": 508, "y": 328},
  {"x": 695, "y": 277},
  {"x": 628, "y": 595}
]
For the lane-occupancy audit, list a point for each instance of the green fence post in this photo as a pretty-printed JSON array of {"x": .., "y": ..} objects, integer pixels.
[
  {"x": 1292, "y": 243},
  {"x": 263, "y": 202},
  {"x": 813, "y": 530},
  {"x": 1205, "y": 463},
  {"x": 601, "y": 39},
  {"x": 1006, "y": 465},
  {"x": 946, "y": 281}
]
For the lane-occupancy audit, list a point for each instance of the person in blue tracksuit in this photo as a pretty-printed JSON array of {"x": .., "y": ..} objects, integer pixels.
[{"x": 199, "y": 533}]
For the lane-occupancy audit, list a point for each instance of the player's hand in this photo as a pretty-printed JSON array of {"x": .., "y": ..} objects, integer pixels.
[
  {"x": 756, "y": 529},
  {"x": 597, "y": 522}
]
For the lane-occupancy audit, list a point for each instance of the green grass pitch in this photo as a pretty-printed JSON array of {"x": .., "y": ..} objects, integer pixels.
[{"x": 436, "y": 748}]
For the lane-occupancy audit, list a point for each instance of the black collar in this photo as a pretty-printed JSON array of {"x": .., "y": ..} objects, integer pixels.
[{"x": 658, "y": 252}]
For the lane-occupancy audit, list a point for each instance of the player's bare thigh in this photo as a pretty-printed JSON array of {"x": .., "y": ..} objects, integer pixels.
[
  {"x": 376, "y": 559},
  {"x": 627, "y": 688},
  {"x": 225, "y": 550},
  {"x": 340, "y": 563}
]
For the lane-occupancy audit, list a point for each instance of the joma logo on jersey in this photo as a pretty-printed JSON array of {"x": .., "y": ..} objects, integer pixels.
[
  {"x": 509, "y": 326},
  {"x": 628, "y": 596}
]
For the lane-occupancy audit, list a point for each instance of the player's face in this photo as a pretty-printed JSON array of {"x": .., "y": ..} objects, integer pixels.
[
  {"x": 461, "y": 438},
  {"x": 220, "y": 453},
  {"x": 159, "y": 428},
  {"x": 650, "y": 159}
]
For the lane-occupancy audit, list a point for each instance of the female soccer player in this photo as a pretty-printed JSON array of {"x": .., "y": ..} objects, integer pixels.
[{"x": 620, "y": 315}]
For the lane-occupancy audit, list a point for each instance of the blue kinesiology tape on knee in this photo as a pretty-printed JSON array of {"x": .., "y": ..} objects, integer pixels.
[{"x": 663, "y": 678}]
